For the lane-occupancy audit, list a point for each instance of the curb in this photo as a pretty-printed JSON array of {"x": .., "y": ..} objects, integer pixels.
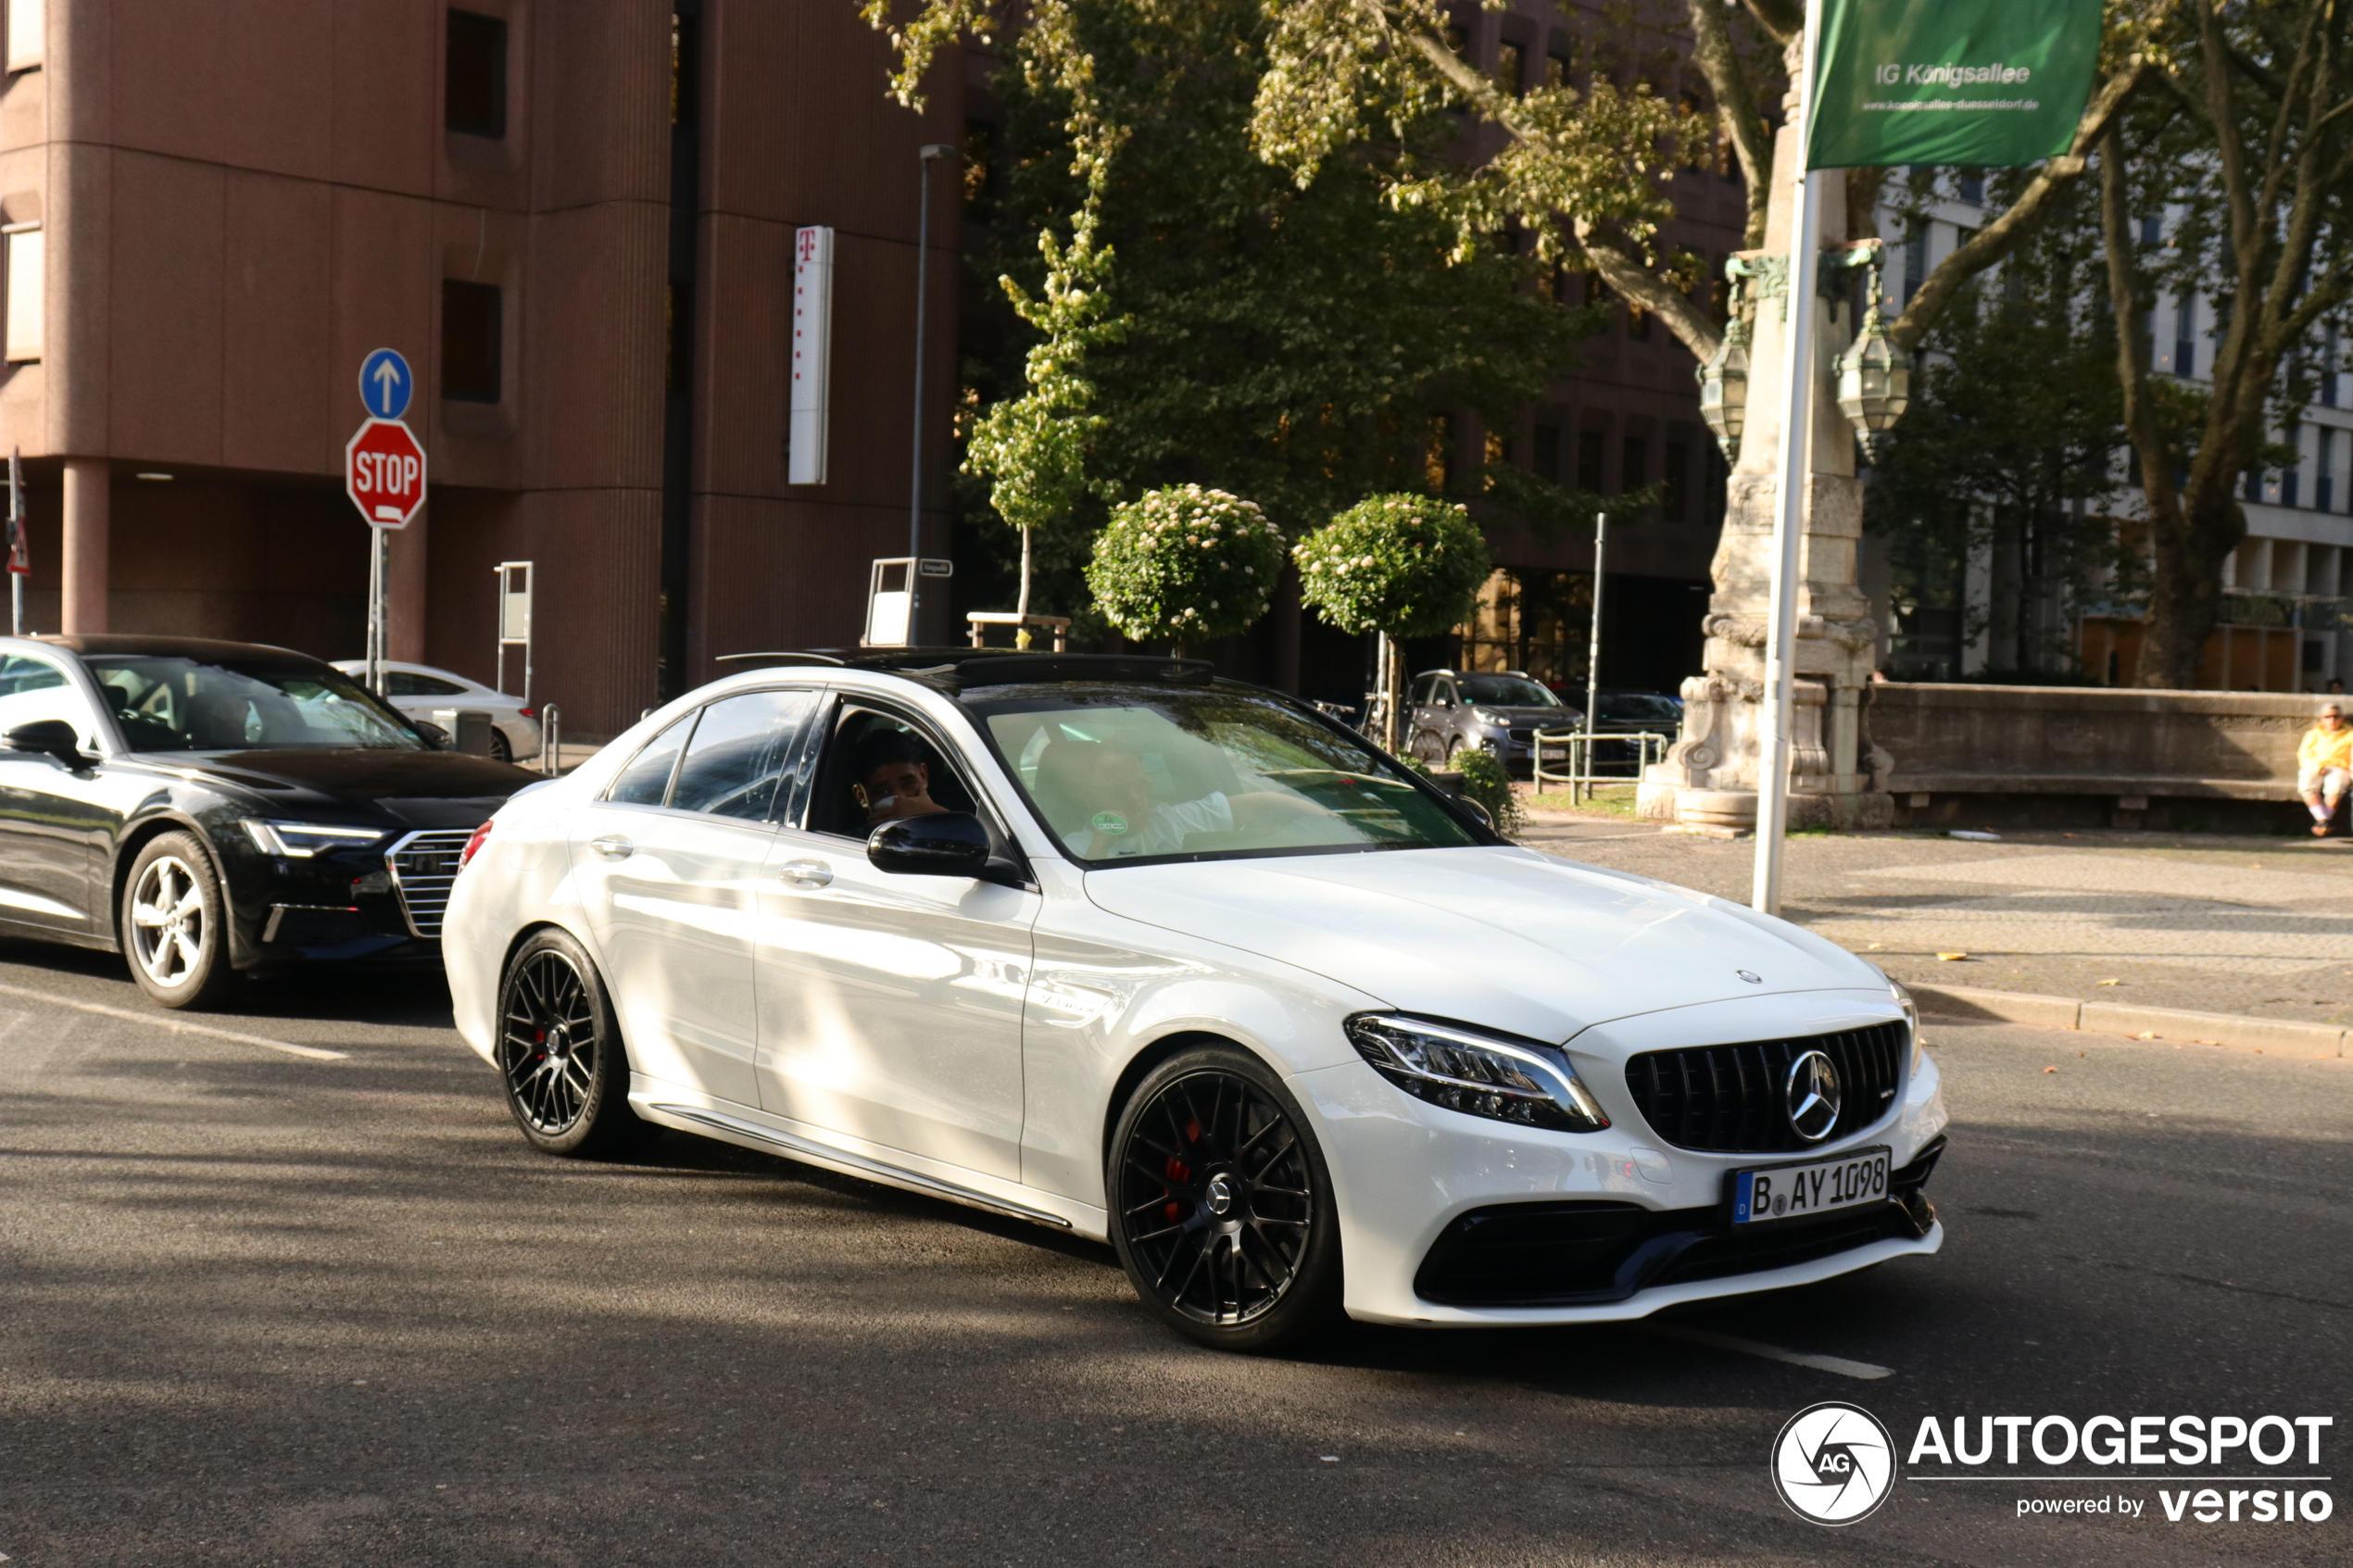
[{"x": 2233, "y": 1029}]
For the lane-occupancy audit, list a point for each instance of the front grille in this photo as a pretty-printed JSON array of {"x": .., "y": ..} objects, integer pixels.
[
  {"x": 424, "y": 867},
  {"x": 1730, "y": 1100},
  {"x": 1591, "y": 1252}
]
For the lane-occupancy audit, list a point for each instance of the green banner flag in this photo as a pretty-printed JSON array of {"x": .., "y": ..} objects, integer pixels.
[{"x": 1983, "y": 83}]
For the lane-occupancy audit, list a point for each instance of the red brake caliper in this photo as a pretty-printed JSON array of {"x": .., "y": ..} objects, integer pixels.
[{"x": 1180, "y": 1172}]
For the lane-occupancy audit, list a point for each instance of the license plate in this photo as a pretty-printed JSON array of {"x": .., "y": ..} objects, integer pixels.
[{"x": 1788, "y": 1192}]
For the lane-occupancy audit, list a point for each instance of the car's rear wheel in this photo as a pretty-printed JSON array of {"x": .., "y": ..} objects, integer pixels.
[
  {"x": 559, "y": 1052},
  {"x": 1222, "y": 1208},
  {"x": 175, "y": 924},
  {"x": 501, "y": 748}
]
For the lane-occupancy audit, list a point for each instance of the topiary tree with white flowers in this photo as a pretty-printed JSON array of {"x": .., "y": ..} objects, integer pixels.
[
  {"x": 1395, "y": 566},
  {"x": 1185, "y": 564}
]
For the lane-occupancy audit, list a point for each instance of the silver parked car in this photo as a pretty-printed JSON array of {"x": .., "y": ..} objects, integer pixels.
[
  {"x": 1446, "y": 711},
  {"x": 417, "y": 690}
]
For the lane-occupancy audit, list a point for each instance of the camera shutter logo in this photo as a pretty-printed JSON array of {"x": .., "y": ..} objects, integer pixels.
[
  {"x": 1812, "y": 1097},
  {"x": 1833, "y": 1463}
]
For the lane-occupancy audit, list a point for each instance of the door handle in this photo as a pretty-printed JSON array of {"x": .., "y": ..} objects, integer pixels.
[
  {"x": 806, "y": 873},
  {"x": 611, "y": 846}
]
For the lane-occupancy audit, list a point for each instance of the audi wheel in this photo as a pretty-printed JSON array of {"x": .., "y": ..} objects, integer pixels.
[{"x": 175, "y": 929}]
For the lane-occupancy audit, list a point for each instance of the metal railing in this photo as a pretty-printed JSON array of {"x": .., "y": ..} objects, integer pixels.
[
  {"x": 1572, "y": 747},
  {"x": 551, "y": 739}
]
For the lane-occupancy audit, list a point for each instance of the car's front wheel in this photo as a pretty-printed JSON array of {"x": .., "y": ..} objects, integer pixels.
[
  {"x": 559, "y": 1052},
  {"x": 175, "y": 924},
  {"x": 1221, "y": 1208}
]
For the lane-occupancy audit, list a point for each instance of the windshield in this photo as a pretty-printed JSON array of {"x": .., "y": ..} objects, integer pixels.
[
  {"x": 1131, "y": 772},
  {"x": 1504, "y": 691},
  {"x": 169, "y": 704},
  {"x": 1637, "y": 708}
]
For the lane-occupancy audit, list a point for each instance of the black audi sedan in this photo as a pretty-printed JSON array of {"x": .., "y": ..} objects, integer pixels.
[{"x": 207, "y": 809}]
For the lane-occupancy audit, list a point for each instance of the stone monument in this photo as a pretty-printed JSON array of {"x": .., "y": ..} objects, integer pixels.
[{"x": 1708, "y": 779}]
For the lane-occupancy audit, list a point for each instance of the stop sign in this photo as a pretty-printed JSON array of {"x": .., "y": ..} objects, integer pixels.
[{"x": 383, "y": 473}]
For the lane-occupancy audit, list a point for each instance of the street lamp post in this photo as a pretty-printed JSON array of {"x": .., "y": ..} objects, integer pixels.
[{"x": 931, "y": 153}]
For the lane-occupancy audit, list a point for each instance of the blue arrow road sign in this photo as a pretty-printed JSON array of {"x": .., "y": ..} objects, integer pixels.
[{"x": 384, "y": 384}]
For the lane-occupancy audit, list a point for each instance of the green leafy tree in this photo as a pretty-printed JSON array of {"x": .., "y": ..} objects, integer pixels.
[
  {"x": 1283, "y": 340},
  {"x": 2250, "y": 145},
  {"x": 2005, "y": 454},
  {"x": 1398, "y": 566},
  {"x": 1185, "y": 564},
  {"x": 1033, "y": 446}
]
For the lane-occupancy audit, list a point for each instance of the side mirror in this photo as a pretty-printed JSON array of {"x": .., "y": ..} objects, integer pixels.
[
  {"x": 435, "y": 736},
  {"x": 1475, "y": 810},
  {"x": 49, "y": 737},
  {"x": 944, "y": 843}
]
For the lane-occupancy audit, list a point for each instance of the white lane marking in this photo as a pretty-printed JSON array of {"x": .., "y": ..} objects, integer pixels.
[
  {"x": 1838, "y": 1365},
  {"x": 164, "y": 1021}
]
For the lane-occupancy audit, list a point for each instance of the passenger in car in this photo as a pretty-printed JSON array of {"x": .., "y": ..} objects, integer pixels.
[
  {"x": 1118, "y": 818},
  {"x": 893, "y": 778}
]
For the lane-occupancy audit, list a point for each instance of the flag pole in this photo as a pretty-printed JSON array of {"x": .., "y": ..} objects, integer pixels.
[
  {"x": 1593, "y": 665},
  {"x": 1789, "y": 522}
]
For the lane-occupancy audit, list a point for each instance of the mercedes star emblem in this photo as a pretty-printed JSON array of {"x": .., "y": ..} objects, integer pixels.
[{"x": 1812, "y": 1097}]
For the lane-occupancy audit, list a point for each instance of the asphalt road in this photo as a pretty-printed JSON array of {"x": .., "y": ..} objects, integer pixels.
[{"x": 262, "y": 1308}]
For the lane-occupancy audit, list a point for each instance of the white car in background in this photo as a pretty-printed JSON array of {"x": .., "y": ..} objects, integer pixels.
[
  {"x": 1113, "y": 946},
  {"x": 418, "y": 689}
]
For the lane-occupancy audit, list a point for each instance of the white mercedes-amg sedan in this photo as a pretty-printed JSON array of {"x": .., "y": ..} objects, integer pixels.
[{"x": 1166, "y": 961}]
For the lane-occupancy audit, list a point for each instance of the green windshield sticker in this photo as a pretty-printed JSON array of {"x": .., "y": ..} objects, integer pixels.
[{"x": 1110, "y": 822}]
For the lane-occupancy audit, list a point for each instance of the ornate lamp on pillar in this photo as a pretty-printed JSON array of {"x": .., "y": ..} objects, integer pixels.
[
  {"x": 1874, "y": 379},
  {"x": 1723, "y": 387},
  {"x": 1709, "y": 778}
]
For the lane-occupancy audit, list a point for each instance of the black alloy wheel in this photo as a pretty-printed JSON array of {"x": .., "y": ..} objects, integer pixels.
[
  {"x": 1222, "y": 1210},
  {"x": 501, "y": 748},
  {"x": 559, "y": 1052}
]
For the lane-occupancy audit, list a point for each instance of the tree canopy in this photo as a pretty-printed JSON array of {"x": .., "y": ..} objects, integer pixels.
[{"x": 1192, "y": 314}]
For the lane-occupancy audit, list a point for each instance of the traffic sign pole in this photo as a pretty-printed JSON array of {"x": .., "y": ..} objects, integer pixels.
[
  {"x": 379, "y": 608},
  {"x": 383, "y": 473}
]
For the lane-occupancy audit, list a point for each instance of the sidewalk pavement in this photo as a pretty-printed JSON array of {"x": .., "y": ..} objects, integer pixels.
[{"x": 2260, "y": 927}]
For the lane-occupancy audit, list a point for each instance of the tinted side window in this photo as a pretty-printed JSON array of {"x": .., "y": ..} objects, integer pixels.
[
  {"x": 401, "y": 683},
  {"x": 19, "y": 674},
  {"x": 738, "y": 750},
  {"x": 31, "y": 689},
  {"x": 1421, "y": 690},
  {"x": 647, "y": 779}
]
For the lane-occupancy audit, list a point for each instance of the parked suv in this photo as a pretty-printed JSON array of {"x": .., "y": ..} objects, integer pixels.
[{"x": 1446, "y": 711}]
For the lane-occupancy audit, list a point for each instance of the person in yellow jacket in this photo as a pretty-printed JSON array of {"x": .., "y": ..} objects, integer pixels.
[{"x": 2324, "y": 765}]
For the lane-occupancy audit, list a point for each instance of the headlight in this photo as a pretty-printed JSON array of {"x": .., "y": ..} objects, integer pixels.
[
  {"x": 1476, "y": 1074},
  {"x": 302, "y": 840}
]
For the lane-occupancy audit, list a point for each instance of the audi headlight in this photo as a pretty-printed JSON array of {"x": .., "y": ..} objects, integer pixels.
[
  {"x": 302, "y": 840},
  {"x": 1474, "y": 1073}
]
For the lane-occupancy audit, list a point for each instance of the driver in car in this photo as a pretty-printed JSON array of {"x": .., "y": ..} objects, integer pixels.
[
  {"x": 893, "y": 779},
  {"x": 1123, "y": 820}
]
